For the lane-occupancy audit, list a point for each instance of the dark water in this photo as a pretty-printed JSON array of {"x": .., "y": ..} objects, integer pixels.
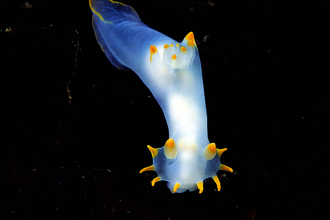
[{"x": 75, "y": 129}]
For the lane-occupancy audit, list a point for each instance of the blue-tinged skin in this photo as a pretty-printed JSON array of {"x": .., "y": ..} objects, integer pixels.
[{"x": 172, "y": 71}]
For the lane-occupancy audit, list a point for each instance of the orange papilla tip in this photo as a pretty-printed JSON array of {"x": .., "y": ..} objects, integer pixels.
[
  {"x": 209, "y": 151},
  {"x": 217, "y": 181},
  {"x": 220, "y": 151},
  {"x": 166, "y": 46},
  {"x": 170, "y": 143},
  {"x": 171, "y": 45},
  {"x": 155, "y": 180},
  {"x": 174, "y": 57},
  {"x": 224, "y": 167},
  {"x": 183, "y": 49},
  {"x": 149, "y": 168},
  {"x": 170, "y": 150},
  {"x": 211, "y": 147},
  {"x": 178, "y": 45},
  {"x": 200, "y": 186},
  {"x": 153, "y": 49},
  {"x": 153, "y": 151},
  {"x": 176, "y": 186},
  {"x": 190, "y": 36}
]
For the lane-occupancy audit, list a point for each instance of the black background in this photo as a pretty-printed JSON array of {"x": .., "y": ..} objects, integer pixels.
[{"x": 267, "y": 95}]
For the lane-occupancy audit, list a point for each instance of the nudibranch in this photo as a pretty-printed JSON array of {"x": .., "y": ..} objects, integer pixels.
[{"x": 172, "y": 71}]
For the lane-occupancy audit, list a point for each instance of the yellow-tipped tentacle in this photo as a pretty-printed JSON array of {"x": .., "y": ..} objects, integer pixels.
[
  {"x": 224, "y": 167},
  {"x": 200, "y": 186},
  {"x": 176, "y": 187},
  {"x": 217, "y": 181},
  {"x": 149, "y": 168},
  {"x": 153, "y": 151},
  {"x": 155, "y": 180},
  {"x": 220, "y": 151}
]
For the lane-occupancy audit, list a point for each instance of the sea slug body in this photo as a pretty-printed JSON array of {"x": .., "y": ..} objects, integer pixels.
[{"x": 172, "y": 71}]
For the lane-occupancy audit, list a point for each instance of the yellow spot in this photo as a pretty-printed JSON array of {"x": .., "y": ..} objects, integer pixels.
[
  {"x": 153, "y": 50},
  {"x": 217, "y": 181},
  {"x": 209, "y": 151},
  {"x": 166, "y": 46},
  {"x": 177, "y": 45},
  {"x": 224, "y": 167},
  {"x": 220, "y": 151},
  {"x": 174, "y": 57},
  {"x": 200, "y": 186},
  {"x": 212, "y": 148},
  {"x": 176, "y": 186},
  {"x": 149, "y": 168},
  {"x": 183, "y": 49},
  {"x": 170, "y": 143},
  {"x": 170, "y": 149},
  {"x": 190, "y": 38},
  {"x": 153, "y": 151},
  {"x": 155, "y": 180},
  {"x": 171, "y": 45}
]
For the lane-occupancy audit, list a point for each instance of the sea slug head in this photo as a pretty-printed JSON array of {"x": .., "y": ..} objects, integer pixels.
[{"x": 175, "y": 57}]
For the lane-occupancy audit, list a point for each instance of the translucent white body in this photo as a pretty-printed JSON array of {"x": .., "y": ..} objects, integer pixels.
[{"x": 172, "y": 71}]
